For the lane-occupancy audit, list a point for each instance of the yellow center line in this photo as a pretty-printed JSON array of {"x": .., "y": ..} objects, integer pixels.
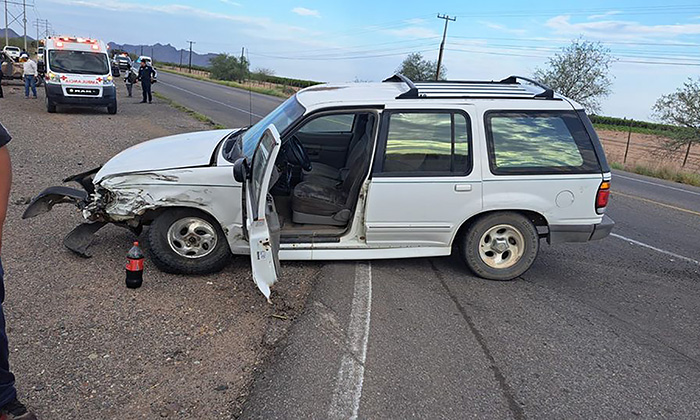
[{"x": 696, "y": 213}]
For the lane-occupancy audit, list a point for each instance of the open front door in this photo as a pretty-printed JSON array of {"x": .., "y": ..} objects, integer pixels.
[{"x": 261, "y": 217}]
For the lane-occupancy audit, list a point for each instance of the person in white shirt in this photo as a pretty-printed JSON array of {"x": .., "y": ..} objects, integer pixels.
[{"x": 30, "y": 73}]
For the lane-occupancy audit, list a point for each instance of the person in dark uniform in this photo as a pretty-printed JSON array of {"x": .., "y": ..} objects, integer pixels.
[
  {"x": 10, "y": 407},
  {"x": 145, "y": 75}
]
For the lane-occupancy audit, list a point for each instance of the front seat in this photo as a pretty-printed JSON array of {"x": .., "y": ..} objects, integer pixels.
[
  {"x": 327, "y": 171},
  {"x": 323, "y": 201}
]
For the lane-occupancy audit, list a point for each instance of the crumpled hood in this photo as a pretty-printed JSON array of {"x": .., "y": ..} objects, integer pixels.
[{"x": 172, "y": 152}]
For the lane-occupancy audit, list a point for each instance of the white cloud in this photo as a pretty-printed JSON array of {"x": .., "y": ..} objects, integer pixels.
[
  {"x": 412, "y": 32},
  {"x": 619, "y": 29},
  {"x": 250, "y": 25},
  {"x": 415, "y": 21},
  {"x": 604, "y": 15},
  {"x": 502, "y": 28},
  {"x": 303, "y": 11}
]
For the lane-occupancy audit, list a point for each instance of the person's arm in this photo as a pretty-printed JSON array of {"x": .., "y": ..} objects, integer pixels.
[{"x": 5, "y": 183}]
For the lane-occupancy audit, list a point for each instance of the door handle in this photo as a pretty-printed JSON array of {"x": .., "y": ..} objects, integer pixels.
[{"x": 463, "y": 187}]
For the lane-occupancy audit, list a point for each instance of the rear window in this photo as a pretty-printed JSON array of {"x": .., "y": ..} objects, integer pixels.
[{"x": 540, "y": 142}]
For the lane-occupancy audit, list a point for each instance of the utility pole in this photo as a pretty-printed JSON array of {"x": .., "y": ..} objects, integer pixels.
[
  {"x": 24, "y": 21},
  {"x": 190, "y": 65},
  {"x": 7, "y": 27},
  {"x": 442, "y": 44},
  {"x": 141, "y": 50},
  {"x": 180, "y": 59}
]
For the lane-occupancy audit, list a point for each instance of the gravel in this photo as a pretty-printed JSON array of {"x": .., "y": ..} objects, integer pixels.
[{"x": 82, "y": 344}]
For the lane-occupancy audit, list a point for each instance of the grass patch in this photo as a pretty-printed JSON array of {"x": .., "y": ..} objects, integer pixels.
[
  {"x": 625, "y": 129},
  {"x": 669, "y": 174},
  {"x": 278, "y": 92},
  {"x": 194, "y": 114}
]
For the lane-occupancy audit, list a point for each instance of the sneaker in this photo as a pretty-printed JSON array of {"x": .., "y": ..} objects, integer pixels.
[
  {"x": 15, "y": 410},
  {"x": 142, "y": 102}
]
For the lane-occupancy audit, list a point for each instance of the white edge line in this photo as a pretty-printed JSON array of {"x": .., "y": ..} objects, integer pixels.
[
  {"x": 350, "y": 378},
  {"x": 663, "y": 251},
  {"x": 653, "y": 183},
  {"x": 212, "y": 100}
]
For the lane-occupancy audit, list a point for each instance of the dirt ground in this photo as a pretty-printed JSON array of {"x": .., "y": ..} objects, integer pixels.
[
  {"x": 82, "y": 344},
  {"x": 647, "y": 150}
]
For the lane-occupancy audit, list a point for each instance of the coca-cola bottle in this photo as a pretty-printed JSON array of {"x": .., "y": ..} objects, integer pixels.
[{"x": 134, "y": 267}]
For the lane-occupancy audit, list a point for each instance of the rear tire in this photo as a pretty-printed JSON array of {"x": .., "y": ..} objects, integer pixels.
[
  {"x": 500, "y": 246},
  {"x": 50, "y": 106},
  {"x": 112, "y": 109},
  {"x": 171, "y": 232}
]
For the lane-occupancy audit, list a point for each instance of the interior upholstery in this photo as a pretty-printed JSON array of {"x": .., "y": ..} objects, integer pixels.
[
  {"x": 320, "y": 200},
  {"x": 326, "y": 171}
]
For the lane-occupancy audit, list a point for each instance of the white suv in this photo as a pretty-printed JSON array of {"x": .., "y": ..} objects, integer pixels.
[
  {"x": 12, "y": 52},
  {"x": 362, "y": 171}
]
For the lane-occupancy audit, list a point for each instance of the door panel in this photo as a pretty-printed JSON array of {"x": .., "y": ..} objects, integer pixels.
[
  {"x": 419, "y": 211},
  {"x": 416, "y": 196},
  {"x": 261, "y": 217},
  {"x": 328, "y": 148}
]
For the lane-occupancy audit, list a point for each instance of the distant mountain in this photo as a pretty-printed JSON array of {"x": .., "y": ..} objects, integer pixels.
[
  {"x": 12, "y": 34},
  {"x": 164, "y": 53}
]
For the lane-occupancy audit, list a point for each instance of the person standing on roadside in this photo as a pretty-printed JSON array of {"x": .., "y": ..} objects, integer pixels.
[
  {"x": 30, "y": 73},
  {"x": 129, "y": 79},
  {"x": 10, "y": 407},
  {"x": 146, "y": 73},
  {"x": 2, "y": 61}
]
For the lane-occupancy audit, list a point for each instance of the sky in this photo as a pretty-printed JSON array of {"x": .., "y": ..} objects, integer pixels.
[{"x": 656, "y": 44}]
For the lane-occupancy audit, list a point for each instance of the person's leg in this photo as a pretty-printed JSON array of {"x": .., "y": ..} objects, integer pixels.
[
  {"x": 7, "y": 379},
  {"x": 33, "y": 84},
  {"x": 26, "y": 86},
  {"x": 150, "y": 94},
  {"x": 143, "y": 92},
  {"x": 1, "y": 94},
  {"x": 129, "y": 87}
]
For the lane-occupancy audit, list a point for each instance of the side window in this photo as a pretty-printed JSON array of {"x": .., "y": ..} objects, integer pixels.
[
  {"x": 522, "y": 143},
  {"x": 336, "y": 123},
  {"x": 427, "y": 143}
]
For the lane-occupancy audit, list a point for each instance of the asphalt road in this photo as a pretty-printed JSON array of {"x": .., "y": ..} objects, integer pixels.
[
  {"x": 226, "y": 106},
  {"x": 606, "y": 329}
]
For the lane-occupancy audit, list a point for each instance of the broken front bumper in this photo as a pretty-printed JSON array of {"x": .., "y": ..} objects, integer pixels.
[{"x": 80, "y": 238}]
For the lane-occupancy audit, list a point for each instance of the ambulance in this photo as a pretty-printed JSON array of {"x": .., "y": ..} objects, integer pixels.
[{"x": 78, "y": 73}]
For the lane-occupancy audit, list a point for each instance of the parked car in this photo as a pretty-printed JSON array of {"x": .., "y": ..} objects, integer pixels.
[
  {"x": 137, "y": 64},
  {"x": 13, "y": 52},
  {"x": 361, "y": 171},
  {"x": 123, "y": 61}
]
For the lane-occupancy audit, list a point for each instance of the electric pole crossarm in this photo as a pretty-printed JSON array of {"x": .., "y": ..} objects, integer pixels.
[{"x": 442, "y": 44}]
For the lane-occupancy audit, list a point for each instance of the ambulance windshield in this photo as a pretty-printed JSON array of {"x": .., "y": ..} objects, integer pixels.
[{"x": 78, "y": 62}]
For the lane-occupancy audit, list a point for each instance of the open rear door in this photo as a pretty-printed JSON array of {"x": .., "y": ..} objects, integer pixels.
[{"x": 261, "y": 217}]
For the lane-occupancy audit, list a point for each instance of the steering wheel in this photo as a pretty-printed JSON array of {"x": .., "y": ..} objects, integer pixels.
[{"x": 299, "y": 153}]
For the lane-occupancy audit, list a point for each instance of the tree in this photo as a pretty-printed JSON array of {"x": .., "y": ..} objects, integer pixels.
[
  {"x": 581, "y": 71},
  {"x": 682, "y": 109},
  {"x": 229, "y": 67},
  {"x": 416, "y": 68}
]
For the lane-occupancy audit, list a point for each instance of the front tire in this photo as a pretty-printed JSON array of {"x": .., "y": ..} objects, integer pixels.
[
  {"x": 112, "y": 108},
  {"x": 500, "y": 246},
  {"x": 188, "y": 241},
  {"x": 50, "y": 106}
]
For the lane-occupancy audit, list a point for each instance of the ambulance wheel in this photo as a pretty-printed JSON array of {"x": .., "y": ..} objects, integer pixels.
[
  {"x": 188, "y": 241},
  {"x": 50, "y": 106},
  {"x": 112, "y": 109}
]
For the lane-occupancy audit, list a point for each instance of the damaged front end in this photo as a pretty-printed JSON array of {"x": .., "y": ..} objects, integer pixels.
[{"x": 87, "y": 200}]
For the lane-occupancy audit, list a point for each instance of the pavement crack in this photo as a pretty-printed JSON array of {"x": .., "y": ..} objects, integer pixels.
[{"x": 515, "y": 408}]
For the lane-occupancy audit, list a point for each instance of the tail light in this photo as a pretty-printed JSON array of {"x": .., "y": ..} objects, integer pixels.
[{"x": 602, "y": 198}]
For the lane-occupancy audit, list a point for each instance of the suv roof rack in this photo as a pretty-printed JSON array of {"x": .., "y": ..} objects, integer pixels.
[{"x": 508, "y": 88}]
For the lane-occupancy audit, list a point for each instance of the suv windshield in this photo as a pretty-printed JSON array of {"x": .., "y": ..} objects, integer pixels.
[
  {"x": 282, "y": 117},
  {"x": 78, "y": 62}
]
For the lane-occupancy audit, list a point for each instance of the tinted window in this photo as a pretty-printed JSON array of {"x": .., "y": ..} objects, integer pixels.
[
  {"x": 539, "y": 142},
  {"x": 338, "y": 123},
  {"x": 427, "y": 143},
  {"x": 78, "y": 62}
]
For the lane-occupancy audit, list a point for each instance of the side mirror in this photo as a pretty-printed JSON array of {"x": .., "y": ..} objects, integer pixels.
[{"x": 240, "y": 170}]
